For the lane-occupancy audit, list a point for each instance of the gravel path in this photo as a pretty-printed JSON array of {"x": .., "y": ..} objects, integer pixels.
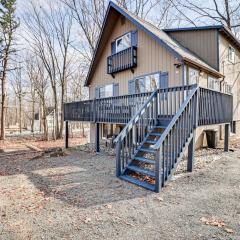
[{"x": 78, "y": 197}]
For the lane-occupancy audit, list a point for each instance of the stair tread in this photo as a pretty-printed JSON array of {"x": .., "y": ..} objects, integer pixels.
[
  {"x": 151, "y": 141},
  {"x": 155, "y": 134},
  {"x": 149, "y": 150},
  {"x": 160, "y": 126},
  {"x": 143, "y": 159},
  {"x": 140, "y": 183},
  {"x": 141, "y": 170}
]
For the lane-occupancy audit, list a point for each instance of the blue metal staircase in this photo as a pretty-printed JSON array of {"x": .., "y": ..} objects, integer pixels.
[{"x": 151, "y": 145}]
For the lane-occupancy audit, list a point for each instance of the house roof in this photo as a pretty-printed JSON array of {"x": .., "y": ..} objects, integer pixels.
[
  {"x": 221, "y": 28},
  {"x": 181, "y": 53}
]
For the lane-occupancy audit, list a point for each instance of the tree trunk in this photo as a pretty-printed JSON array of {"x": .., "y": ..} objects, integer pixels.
[
  {"x": 33, "y": 116},
  {"x": 3, "y": 104},
  {"x": 56, "y": 114},
  {"x": 45, "y": 127},
  {"x": 20, "y": 114}
]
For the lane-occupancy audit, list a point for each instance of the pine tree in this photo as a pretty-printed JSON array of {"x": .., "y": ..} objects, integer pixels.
[{"x": 8, "y": 26}]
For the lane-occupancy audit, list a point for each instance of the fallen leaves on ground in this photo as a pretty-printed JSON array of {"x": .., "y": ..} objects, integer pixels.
[
  {"x": 109, "y": 206},
  {"x": 160, "y": 199},
  {"x": 87, "y": 220},
  {"x": 216, "y": 223}
]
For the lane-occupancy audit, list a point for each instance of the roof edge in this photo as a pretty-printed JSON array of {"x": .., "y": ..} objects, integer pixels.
[{"x": 193, "y": 28}]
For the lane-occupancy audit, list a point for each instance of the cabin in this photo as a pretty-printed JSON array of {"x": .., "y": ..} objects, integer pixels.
[{"x": 156, "y": 91}]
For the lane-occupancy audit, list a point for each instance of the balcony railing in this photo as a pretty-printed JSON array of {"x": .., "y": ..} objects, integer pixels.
[{"x": 126, "y": 59}]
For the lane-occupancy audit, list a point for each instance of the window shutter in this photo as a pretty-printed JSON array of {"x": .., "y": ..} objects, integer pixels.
[
  {"x": 97, "y": 94},
  {"x": 163, "y": 82},
  {"x": 131, "y": 86},
  {"x": 134, "y": 37},
  {"x": 113, "y": 47},
  {"x": 115, "y": 89}
]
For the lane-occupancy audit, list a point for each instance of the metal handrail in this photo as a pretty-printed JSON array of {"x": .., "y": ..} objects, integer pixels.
[
  {"x": 175, "y": 118},
  {"x": 134, "y": 118}
]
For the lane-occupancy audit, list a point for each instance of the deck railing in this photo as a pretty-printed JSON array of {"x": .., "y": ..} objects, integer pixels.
[
  {"x": 214, "y": 107},
  {"x": 123, "y": 60}
]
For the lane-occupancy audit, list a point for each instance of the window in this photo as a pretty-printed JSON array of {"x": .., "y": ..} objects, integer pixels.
[
  {"x": 147, "y": 83},
  {"x": 213, "y": 83},
  {"x": 106, "y": 91},
  {"x": 193, "y": 76},
  {"x": 231, "y": 54},
  {"x": 123, "y": 42}
]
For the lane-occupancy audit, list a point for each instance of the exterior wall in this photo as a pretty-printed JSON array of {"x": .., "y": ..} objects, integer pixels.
[
  {"x": 202, "y": 42},
  {"x": 231, "y": 72},
  {"x": 151, "y": 58}
]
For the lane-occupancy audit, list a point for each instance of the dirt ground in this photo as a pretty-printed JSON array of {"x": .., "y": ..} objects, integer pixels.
[{"x": 77, "y": 196}]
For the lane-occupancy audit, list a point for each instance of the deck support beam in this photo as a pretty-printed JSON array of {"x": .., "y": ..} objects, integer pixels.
[
  {"x": 226, "y": 138},
  {"x": 97, "y": 140},
  {"x": 191, "y": 148},
  {"x": 66, "y": 134}
]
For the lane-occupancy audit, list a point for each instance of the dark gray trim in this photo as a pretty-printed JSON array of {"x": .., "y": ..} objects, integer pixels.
[{"x": 193, "y": 28}]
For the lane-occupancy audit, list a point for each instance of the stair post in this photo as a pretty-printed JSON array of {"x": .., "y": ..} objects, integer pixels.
[
  {"x": 191, "y": 147},
  {"x": 226, "y": 138},
  {"x": 158, "y": 175},
  {"x": 118, "y": 159}
]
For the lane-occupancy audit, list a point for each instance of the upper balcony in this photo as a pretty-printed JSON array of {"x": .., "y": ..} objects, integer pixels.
[{"x": 123, "y": 60}]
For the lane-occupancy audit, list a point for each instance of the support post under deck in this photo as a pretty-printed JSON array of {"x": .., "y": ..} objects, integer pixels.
[
  {"x": 66, "y": 134},
  {"x": 226, "y": 138},
  {"x": 97, "y": 140},
  {"x": 191, "y": 147}
]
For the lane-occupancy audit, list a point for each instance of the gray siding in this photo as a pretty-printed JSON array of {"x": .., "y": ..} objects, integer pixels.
[{"x": 204, "y": 43}]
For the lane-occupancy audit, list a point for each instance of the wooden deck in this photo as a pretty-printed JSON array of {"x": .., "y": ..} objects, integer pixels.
[{"x": 213, "y": 107}]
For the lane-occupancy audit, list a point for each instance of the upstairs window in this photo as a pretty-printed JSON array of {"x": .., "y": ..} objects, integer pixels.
[
  {"x": 123, "y": 42},
  {"x": 213, "y": 83},
  {"x": 231, "y": 54}
]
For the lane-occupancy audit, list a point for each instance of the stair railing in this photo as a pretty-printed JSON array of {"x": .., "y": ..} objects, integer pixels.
[
  {"x": 135, "y": 132},
  {"x": 175, "y": 137}
]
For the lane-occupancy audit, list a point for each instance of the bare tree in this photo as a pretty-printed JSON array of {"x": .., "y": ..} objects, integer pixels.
[
  {"x": 30, "y": 69},
  {"x": 50, "y": 38},
  {"x": 225, "y": 12},
  {"x": 19, "y": 88},
  {"x": 40, "y": 79}
]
